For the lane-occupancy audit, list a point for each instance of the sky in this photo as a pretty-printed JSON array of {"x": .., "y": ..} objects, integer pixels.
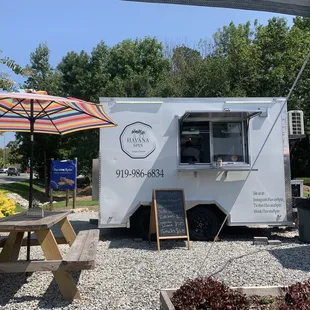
[{"x": 67, "y": 25}]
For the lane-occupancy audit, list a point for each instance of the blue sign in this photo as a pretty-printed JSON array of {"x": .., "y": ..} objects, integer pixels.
[{"x": 63, "y": 174}]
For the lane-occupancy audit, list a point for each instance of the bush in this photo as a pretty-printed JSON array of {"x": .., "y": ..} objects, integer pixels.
[
  {"x": 297, "y": 296},
  {"x": 208, "y": 293},
  {"x": 7, "y": 206}
]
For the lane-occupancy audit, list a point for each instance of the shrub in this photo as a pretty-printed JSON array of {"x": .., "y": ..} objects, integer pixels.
[
  {"x": 208, "y": 293},
  {"x": 297, "y": 297},
  {"x": 7, "y": 206}
]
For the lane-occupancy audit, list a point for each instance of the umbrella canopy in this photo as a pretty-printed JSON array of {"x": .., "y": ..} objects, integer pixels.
[
  {"x": 52, "y": 115},
  {"x": 291, "y": 7},
  {"x": 37, "y": 112}
]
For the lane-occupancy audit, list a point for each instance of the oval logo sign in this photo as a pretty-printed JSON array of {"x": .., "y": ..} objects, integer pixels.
[{"x": 137, "y": 140}]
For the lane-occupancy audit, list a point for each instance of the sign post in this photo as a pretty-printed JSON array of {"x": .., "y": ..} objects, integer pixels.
[
  {"x": 168, "y": 215},
  {"x": 63, "y": 177},
  {"x": 74, "y": 190}
]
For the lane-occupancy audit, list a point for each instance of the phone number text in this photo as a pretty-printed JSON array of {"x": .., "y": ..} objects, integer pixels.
[{"x": 139, "y": 173}]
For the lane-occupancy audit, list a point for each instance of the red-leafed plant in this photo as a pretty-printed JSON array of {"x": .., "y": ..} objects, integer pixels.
[
  {"x": 297, "y": 297},
  {"x": 208, "y": 293}
]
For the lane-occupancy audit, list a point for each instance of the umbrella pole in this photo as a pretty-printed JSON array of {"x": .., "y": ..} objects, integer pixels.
[{"x": 31, "y": 171}]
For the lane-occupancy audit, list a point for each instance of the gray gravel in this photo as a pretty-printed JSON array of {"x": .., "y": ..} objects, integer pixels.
[
  {"x": 130, "y": 273},
  {"x": 18, "y": 199}
]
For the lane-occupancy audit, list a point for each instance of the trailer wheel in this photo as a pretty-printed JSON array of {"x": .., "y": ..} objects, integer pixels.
[{"x": 203, "y": 223}]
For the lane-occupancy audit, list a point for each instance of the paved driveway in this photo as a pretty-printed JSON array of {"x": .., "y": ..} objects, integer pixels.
[{"x": 5, "y": 179}]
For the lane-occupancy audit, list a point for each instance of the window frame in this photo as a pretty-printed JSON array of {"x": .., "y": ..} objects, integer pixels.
[
  {"x": 245, "y": 121},
  {"x": 245, "y": 137},
  {"x": 180, "y": 148}
]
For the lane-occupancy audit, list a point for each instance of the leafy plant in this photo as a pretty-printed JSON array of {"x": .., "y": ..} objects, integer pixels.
[
  {"x": 266, "y": 300},
  {"x": 208, "y": 293},
  {"x": 5, "y": 81},
  {"x": 297, "y": 297},
  {"x": 7, "y": 206}
]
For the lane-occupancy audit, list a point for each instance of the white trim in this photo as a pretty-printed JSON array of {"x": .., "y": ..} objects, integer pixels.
[
  {"x": 211, "y": 142},
  {"x": 209, "y": 117},
  {"x": 112, "y": 225},
  {"x": 174, "y": 100},
  {"x": 134, "y": 101},
  {"x": 286, "y": 223},
  {"x": 197, "y": 167},
  {"x": 244, "y": 101}
]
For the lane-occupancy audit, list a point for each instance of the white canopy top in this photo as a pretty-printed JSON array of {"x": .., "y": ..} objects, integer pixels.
[{"x": 290, "y": 7}]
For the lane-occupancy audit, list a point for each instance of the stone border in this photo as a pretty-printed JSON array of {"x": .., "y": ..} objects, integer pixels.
[{"x": 166, "y": 294}]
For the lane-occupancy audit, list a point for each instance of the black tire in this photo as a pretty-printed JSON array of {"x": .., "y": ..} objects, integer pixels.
[
  {"x": 140, "y": 223},
  {"x": 203, "y": 223}
]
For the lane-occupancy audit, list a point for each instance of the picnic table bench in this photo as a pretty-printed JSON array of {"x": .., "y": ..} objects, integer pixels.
[{"x": 80, "y": 256}]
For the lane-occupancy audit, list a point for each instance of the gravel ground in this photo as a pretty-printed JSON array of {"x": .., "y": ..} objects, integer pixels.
[{"x": 130, "y": 273}]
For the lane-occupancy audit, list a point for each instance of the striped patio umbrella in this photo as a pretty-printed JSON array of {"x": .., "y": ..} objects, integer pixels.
[
  {"x": 49, "y": 114},
  {"x": 37, "y": 112}
]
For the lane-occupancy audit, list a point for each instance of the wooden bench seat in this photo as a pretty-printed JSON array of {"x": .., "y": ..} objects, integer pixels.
[
  {"x": 81, "y": 256},
  {"x": 84, "y": 248}
]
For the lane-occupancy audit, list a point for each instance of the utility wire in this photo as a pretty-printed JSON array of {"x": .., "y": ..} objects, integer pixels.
[{"x": 270, "y": 131}]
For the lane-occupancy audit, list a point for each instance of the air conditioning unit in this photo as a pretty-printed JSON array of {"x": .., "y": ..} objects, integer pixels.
[
  {"x": 297, "y": 187},
  {"x": 296, "y": 122}
]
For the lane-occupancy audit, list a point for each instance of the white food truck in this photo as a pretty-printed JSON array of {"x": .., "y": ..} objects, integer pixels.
[{"x": 206, "y": 146}]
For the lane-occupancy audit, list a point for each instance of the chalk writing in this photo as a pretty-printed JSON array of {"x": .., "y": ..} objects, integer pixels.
[{"x": 170, "y": 213}]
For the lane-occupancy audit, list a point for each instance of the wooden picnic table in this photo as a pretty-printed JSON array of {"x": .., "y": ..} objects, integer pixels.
[{"x": 81, "y": 254}]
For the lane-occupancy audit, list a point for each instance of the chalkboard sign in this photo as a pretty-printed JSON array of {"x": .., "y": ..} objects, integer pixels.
[
  {"x": 170, "y": 213},
  {"x": 168, "y": 216}
]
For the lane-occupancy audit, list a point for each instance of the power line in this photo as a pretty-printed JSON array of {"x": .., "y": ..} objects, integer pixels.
[{"x": 252, "y": 166}]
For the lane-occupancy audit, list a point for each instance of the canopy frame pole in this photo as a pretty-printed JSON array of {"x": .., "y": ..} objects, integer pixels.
[{"x": 32, "y": 120}]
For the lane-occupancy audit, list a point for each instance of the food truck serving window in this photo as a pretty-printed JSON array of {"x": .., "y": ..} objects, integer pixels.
[{"x": 207, "y": 136}]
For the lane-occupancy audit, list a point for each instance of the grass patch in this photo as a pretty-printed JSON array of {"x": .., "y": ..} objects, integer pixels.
[
  {"x": 18, "y": 208},
  {"x": 305, "y": 179},
  {"x": 306, "y": 188},
  {"x": 79, "y": 203},
  {"x": 21, "y": 188}
]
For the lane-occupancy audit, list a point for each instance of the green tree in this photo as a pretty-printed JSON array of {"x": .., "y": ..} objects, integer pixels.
[
  {"x": 136, "y": 68},
  {"x": 194, "y": 73},
  {"x": 265, "y": 61},
  {"x": 13, "y": 155},
  {"x": 41, "y": 77},
  {"x": 78, "y": 71},
  {"x": 241, "y": 60},
  {"x": 75, "y": 75},
  {"x": 99, "y": 71},
  {"x": 131, "y": 68},
  {"x": 233, "y": 46},
  {"x": 6, "y": 82}
]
